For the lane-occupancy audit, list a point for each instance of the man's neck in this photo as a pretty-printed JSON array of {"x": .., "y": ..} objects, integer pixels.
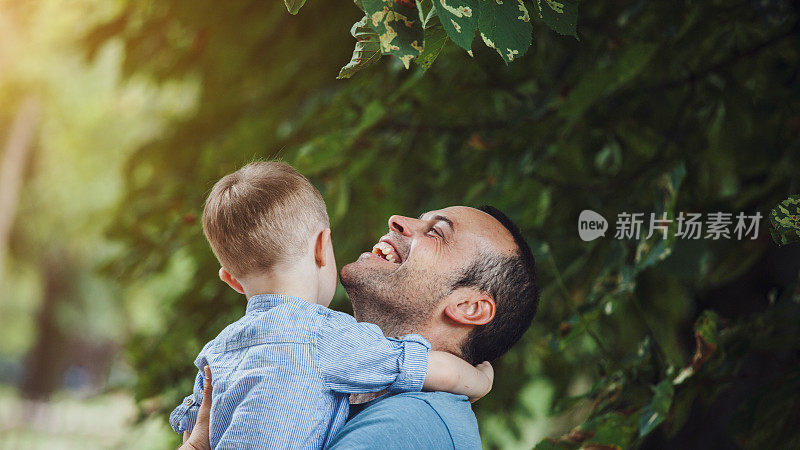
[{"x": 442, "y": 334}]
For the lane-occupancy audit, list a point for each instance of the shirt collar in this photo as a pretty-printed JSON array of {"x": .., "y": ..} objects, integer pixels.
[{"x": 263, "y": 302}]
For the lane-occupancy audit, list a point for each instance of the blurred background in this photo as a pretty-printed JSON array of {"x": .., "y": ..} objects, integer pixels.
[{"x": 116, "y": 118}]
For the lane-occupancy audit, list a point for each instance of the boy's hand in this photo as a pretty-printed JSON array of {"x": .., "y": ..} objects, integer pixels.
[
  {"x": 449, "y": 373},
  {"x": 487, "y": 370},
  {"x": 199, "y": 440}
]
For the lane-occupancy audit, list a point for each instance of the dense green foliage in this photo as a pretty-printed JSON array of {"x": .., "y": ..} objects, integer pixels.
[
  {"x": 420, "y": 29},
  {"x": 784, "y": 221},
  {"x": 661, "y": 106}
]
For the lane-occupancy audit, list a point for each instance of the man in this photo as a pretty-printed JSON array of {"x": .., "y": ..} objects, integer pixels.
[{"x": 461, "y": 277}]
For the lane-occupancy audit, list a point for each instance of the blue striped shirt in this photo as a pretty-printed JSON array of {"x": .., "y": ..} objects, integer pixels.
[{"x": 283, "y": 372}]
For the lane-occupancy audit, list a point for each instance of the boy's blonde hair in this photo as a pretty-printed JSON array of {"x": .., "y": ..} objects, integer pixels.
[{"x": 260, "y": 215}]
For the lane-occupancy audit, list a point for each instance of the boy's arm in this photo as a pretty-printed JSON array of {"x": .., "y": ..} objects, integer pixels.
[
  {"x": 449, "y": 373},
  {"x": 183, "y": 417},
  {"x": 355, "y": 357}
]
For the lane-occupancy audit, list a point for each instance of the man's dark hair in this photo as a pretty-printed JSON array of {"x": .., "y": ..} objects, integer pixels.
[{"x": 511, "y": 282}]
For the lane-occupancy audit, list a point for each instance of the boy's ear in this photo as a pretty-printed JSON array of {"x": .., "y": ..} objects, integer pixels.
[
  {"x": 471, "y": 308},
  {"x": 225, "y": 276},
  {"x": 321, "y": 246}
]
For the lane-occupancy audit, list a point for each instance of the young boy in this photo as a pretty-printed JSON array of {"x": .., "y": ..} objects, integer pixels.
[{"x": 283, "y": 372}]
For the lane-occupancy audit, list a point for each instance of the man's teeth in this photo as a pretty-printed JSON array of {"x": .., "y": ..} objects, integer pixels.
[{"x": 386, "y": 251}]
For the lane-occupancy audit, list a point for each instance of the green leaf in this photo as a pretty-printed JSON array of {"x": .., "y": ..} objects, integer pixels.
[
  {"x": 398, "y": 26},
  {"x": 435, "y": 39},
  {"x": 609, "y": 159},
  {"x": 506, "y": 27},
  {"x": 560, "y": 16},
  {"x": 649, "y": 253},
  {"x": 367, "y": 51},
  {"x": 459, "y": 20},
  {"x": 552, "y": 444},
  {"x": 568, "y": 403},
  {"x": 373, "y": 113},
  {"x": 706, "y": 336},
  {"x": 784, "y": 221},
  {"x": 610, "y": 429},
  {"x": 656, "y": 249},
  {"x": 670, "y": 184},
  {"x": 293, "y": 6},
  {"x": 426, "y": 11},
  {"x": 656, "y": 412},
  {"x": 707, "y": 327}
]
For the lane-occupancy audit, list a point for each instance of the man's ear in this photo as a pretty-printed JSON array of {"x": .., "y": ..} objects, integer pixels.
[
  {"x": 320, "y": 247},
  {"x": 471, "y": 308},
  {"x": 225, "y": 276}
]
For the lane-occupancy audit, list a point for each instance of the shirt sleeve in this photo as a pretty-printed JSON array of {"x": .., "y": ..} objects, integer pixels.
[
  {"x": 184, "y": 416},
  {"x": 355, "y": 357}
]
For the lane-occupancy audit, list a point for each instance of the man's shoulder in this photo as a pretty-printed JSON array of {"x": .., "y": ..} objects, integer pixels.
[
  {"x": 413, "y": 420},
  {"x": 455, "y": 411},
  {"x": 450, "y": 406}
]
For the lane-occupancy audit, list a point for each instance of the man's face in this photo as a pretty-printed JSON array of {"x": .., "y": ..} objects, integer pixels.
[{"x": 399, "y": 285}]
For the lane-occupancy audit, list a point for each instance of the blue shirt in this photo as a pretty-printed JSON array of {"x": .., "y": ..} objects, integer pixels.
[
  {"x": 416, "y": 420},
  {"x": 283, "y": 372}
]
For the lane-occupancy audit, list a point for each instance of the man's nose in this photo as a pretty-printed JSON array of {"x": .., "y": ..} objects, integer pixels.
[{"x": 403, "y": 225}]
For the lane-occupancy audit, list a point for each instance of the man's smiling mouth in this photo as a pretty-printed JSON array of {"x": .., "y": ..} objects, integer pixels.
[{"x": 387, "y": 251}]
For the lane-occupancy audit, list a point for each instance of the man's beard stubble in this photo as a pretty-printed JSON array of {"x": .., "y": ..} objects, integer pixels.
[{"x": 400, "y": 302}]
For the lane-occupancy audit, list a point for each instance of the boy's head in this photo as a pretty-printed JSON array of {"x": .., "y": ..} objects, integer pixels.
[{"x": 264, "y": 215}]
